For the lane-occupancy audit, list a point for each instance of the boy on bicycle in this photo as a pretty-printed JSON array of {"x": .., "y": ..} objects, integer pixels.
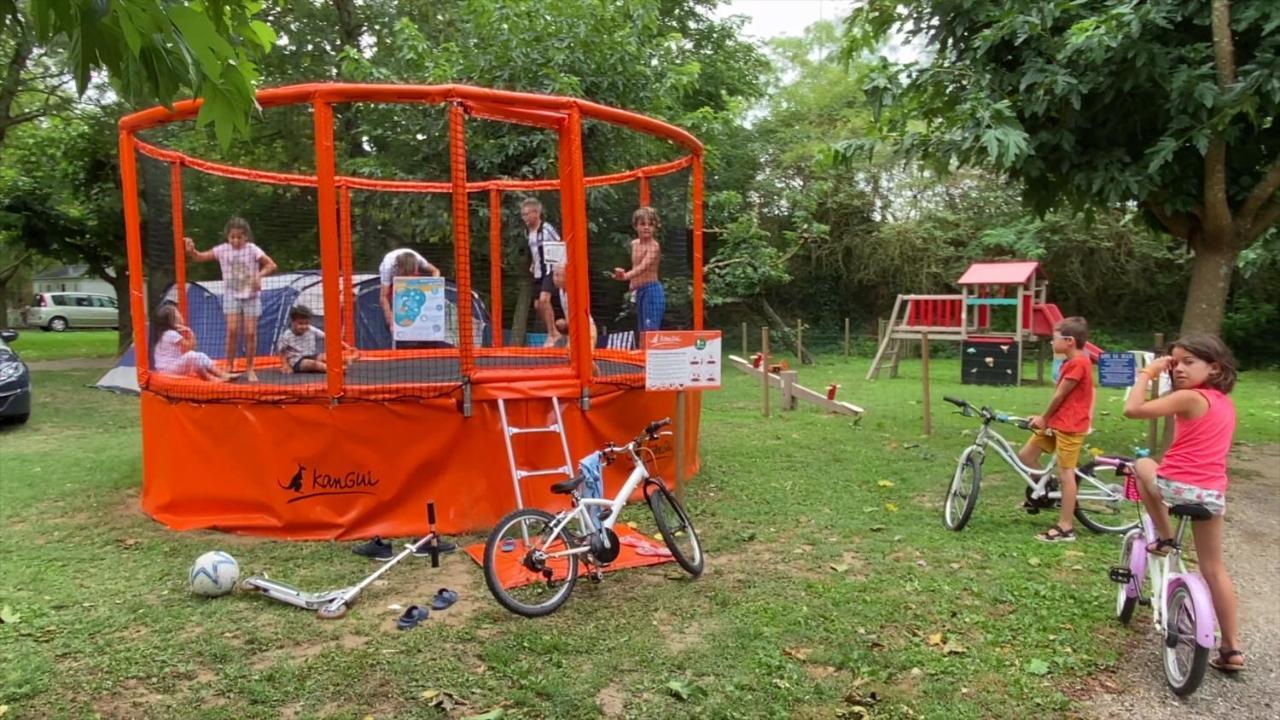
[{"x": 1062, "y": 428}]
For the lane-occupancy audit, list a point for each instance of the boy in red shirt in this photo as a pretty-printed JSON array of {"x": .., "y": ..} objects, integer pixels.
[{"x": 1064, "y": 425}]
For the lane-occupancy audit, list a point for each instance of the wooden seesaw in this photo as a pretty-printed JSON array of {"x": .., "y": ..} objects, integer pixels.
[{"x": 792, "y": 391}]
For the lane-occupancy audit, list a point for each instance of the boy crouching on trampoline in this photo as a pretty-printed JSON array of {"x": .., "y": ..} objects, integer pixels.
[
  {"x": 642, "y": 278},
  {"x": 1065, "y": 423},
  {"x": 301, "y": 347},
  {"x": 562, "y": 325}
]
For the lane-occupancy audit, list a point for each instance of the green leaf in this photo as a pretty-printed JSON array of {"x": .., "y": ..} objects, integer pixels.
[
  {"x": 8, "y": 616},
  {"x": 266, "y": 36},
  {"x": 683, "y": 689},
  {"x": 199, "y": 34},
  {"x": 1037, "y": 667}
]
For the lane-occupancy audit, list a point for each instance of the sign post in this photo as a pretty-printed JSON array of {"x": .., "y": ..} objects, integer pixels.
[
  {"x": 1117, "y": 369},
  {"x": 681, "y": 360}
]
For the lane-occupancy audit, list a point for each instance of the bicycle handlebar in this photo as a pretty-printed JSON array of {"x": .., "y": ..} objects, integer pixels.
[
  {"x": 650, "y": 432},
  {"x": 987, "y": 413}
]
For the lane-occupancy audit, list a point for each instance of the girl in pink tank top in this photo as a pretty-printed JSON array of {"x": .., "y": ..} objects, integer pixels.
[{"x": 1194, "y": 469}]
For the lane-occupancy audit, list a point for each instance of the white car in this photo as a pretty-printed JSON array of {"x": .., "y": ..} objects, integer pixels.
[{"x": 58, "y": 311}]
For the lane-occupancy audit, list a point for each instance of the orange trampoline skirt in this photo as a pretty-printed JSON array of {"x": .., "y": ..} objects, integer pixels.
[{"x": 355, "y": 469}]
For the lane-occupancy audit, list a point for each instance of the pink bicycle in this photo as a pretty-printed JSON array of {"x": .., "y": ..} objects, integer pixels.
[{"x": 1182, "y": 607}]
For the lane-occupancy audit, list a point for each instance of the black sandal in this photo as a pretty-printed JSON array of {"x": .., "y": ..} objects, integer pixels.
[
  {"x": 1222, "y": 663},
  {"x": 1158, "y": 547},
  {"x": 1057, "y": 534}
]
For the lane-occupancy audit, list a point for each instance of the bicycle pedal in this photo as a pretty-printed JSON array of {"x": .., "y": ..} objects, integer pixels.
[
  {"x": 1144, "y": 601},
  {"x": 1119, "y": 574}
]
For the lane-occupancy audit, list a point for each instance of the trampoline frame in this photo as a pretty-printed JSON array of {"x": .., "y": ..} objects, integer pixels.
[{"x": 562, "y": 115}]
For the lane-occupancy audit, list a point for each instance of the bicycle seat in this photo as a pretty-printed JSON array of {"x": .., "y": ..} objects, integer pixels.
[
  {"x": 568, "y": 486},
  {"x": 1193, "y": 511}
]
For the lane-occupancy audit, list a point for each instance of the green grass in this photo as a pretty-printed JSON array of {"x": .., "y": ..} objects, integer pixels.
[
  {"x": 828, "y": 574},
  {"x": 34, "y": 344}
]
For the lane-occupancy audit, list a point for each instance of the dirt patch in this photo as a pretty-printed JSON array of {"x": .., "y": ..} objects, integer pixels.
[
  {"x": 131, "y": 700},
  {"x": 305, "y": 651},
  {"x": 612, "y": 701},
  {"x": 1251, "y": 535},
  {"x": 419, "y": 583},
  {"x": 679, "y": 635}
]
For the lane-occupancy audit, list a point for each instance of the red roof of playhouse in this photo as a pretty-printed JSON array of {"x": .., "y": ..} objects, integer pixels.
[{"x": 1000, "y": 273}]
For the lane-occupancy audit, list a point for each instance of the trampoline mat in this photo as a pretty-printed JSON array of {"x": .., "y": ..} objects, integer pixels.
[{"x": 435, "y": 370}]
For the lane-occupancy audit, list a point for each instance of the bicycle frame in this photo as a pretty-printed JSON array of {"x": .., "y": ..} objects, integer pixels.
[
  {"x": 582, "y": 506},
  {"x": 989, "y": 437},
  {"x": 1164, "y": 575}
]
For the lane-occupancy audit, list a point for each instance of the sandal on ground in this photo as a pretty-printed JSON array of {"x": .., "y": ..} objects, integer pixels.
[
  {"x": 1161, "y": 547},
  {"x": 413, "y": 615},
  {"x": 1057, "y": 534},
  {"x": 1223, "y": 661},
  {"x": 444, "y": 597}
]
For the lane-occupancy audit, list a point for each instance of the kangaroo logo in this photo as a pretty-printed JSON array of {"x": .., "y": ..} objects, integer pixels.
[{"x": 295, "y": 483}]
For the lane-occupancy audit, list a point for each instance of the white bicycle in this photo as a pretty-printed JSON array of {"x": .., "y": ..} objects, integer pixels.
[
  {"x": 1100, "y": 506},
  {"x": 531, "y": 558}
]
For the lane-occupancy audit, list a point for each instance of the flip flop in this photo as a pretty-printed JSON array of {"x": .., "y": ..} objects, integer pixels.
[
  {"x": 651, "y": 551},
  {"x": 443, "y": 599},
  {"x": 413, "y": 615},
  {"x": 1222, "y": 661}
]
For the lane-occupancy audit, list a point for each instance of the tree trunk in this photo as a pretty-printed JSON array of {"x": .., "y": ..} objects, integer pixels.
[
  {"x": 1211, "y": 269},
  {"x": 121, "y": 284},
  {"x": 4, "y": 302},
  {"x": 776, "y": 321},
  {"x": 12, "y": 83}
]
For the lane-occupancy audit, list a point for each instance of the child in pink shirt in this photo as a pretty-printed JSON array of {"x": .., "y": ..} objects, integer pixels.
[{"x": 1194, "y": 469}]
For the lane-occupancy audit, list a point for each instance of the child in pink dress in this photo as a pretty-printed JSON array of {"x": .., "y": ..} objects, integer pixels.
[{"x": 1194, "y": 469}]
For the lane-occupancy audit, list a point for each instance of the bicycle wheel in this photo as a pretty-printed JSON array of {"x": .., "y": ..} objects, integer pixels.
[
  {"x": 1184, "y": 658},
  {"x": 962, "y": 494},
  {"x": 1101, "y": 506},
  {"x": 1127, "y": 594},
  {"x": 516, "y": 567},
  {"x": 677, "y": 531}
]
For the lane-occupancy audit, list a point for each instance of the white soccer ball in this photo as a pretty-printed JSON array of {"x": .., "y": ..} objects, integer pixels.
[{"x": 214, "y": 573}]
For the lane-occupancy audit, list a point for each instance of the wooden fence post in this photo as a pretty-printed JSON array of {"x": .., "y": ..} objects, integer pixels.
[
  {"x": 764, "y": 366},
  {"x": 846, "y": 337},
  {"x": 1153, "y": 439},
  {"x": 924, "y": 374}
]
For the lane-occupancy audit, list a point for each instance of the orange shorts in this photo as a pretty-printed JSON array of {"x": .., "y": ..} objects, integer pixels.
[{"x": 1066, "y": 446}]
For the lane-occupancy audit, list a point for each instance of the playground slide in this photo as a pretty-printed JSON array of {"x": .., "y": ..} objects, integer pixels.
[{"x": 1045, "y": 317}]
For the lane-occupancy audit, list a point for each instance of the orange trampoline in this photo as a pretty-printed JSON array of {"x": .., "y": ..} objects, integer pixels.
[{"x": 445, "y": 171}]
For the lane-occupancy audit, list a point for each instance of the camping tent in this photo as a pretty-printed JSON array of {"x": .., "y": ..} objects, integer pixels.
[{"x": 279, "y": 294}]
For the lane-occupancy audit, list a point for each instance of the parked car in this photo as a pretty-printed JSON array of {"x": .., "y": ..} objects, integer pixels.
[
  {"x": 15, "y": 382},
  {"x": 58, "y": 311}
]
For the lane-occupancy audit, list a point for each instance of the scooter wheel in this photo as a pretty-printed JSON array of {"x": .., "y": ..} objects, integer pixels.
[{"x": 325, "y": 613}]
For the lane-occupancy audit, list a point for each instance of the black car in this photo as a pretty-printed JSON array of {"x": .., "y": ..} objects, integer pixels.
[{"x": 15, "y": 382}]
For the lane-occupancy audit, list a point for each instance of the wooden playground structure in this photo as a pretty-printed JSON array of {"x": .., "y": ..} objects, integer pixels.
[{"x": 967, "y": 317}]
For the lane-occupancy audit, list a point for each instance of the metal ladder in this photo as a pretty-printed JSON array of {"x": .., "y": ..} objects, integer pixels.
[{"x": 508, "y": 432}]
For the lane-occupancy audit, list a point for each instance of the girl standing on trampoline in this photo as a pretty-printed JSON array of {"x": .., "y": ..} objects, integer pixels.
[
  {"x": 243, "y": 265},
  {"x": 642, "y": 278}
]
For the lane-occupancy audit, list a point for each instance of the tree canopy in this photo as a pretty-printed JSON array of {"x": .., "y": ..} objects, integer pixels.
[{"x": 1166, "y": 105}]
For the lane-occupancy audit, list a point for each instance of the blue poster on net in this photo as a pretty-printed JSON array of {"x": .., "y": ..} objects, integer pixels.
[{"x": 1117, "y": 369}]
